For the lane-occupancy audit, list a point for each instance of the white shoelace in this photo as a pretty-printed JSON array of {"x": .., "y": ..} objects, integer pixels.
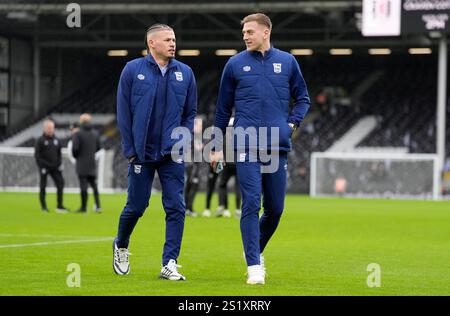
[
  {"x": 173, "y": 267},
  {"x": 122, "y": 255}
]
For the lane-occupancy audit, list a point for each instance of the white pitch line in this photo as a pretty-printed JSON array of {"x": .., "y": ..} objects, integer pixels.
[
  {"x": 57, "y": 242},
  {"x": 47, "y": 236}
]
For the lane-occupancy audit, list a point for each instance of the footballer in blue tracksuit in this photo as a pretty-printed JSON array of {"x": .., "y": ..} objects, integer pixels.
[
  {"x": 259, "y": 84},
  {"x": 156, "y": 94}
]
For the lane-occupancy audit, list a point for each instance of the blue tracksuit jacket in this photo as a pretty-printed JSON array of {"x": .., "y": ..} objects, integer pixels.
[
  {"x": 260, "y": 88},
  {"x": 136, "y": 99}
]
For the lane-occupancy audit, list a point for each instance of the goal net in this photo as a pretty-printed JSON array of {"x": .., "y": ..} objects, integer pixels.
[
  {"x": 375, "y": 175},
  {"x": 19, "y": 172}
]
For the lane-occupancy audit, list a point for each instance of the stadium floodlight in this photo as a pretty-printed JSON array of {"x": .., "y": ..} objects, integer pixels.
[
  {"x": 189, "y": 52},
  {"x": 380, "y": 51},
  {"x": 226, "y": 52},
  {"x": 302, "y": 52},
  {"x": 341, "y": 51},
  {"x": 420, "y": 51},
  {"x": 375, "y": 175},
  {"x": 117, "y": 53}
]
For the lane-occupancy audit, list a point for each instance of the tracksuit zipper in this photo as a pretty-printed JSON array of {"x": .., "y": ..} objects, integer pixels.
[{"x": 166, "y": 84}]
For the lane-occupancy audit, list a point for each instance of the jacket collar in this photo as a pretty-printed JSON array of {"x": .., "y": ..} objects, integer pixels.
[
  {"x": 48, "y": 137},
  {"x": 267, "y": 55},
  {"x": 172, "y": 62}
]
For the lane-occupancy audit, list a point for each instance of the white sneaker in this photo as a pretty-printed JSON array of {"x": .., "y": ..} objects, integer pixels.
[
  {"x": 61, "y": 210},
  {"x": 238, "y": 213},
  {"x": 219, "y": 211},
  {"x": 121, "y": 263},
  {"x": 255, "y": 274},
  {"x": 170, "y": 272},
  {"x": 191, "y": 213},
  {"x": 206, "y": 213},
  {"x": 263, "y": 266},
  {"x": 227, "y": 213},
  {"x": 261, "y": 262}
]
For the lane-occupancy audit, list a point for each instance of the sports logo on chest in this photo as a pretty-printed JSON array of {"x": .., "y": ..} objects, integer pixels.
[
  {"x": 277, "y": 68},
  {"x": 178, "y": 75}
]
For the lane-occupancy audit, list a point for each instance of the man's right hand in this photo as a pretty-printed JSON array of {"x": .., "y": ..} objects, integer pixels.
[{"x": 215, "y": 157}]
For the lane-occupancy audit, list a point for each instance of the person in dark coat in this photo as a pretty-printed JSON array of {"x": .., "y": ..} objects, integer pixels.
[
  {"x": 48, "y": 158},
  {"x": 85, "y": 143}
]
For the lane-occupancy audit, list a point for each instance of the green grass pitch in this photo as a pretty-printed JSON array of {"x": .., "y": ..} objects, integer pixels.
[{"x": 322, "y": 247}]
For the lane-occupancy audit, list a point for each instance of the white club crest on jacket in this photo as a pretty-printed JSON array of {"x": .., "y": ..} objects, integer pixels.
[
  {"x": 277, "y": 68},
  {"x": 179, "y": 75}
]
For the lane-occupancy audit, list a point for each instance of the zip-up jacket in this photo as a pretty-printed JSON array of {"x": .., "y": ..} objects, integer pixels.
[
  {"x": 47, "y": 152},
  {"x": 85, "y": 143},
  {"x": 136, "y": 100},
  {"x": 260, "y": 88}
]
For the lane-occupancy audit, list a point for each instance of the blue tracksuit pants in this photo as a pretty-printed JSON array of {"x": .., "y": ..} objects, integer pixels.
[
  {"x": 140, "y": 179},
  {"x": 256, "y": 232}
]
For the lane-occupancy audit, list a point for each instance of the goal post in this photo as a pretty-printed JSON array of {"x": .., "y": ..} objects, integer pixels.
[
  {"x": 375, "y": 175},
  {"x": 19, "y": 172}
]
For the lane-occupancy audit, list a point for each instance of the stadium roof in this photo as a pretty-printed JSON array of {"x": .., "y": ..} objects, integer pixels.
[
  {"x": 146, "y": 7},
  {"x": 198, "y": 24}
]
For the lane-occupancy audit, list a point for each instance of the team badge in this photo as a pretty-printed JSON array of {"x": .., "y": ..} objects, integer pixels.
[
  {"x": 246, "y": 68},
  {"x": 179, "y": 75},
  {"x": 276, "y": 68},
  {"x": 141, "y": 77},
  {"x": 137, "y": 169}
]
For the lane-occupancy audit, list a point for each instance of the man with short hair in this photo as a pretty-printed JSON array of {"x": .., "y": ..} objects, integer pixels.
[
  {"x": 85, "y": 144},
  {"x": 48, "y": 158},
  {"x": 259, "y": 83},
  {"x": 156, "y": 94}
]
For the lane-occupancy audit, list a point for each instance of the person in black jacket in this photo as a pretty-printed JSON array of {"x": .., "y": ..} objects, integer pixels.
[
  {"x": 85, "y": 143},
  {"x": 48, "y": 158}
]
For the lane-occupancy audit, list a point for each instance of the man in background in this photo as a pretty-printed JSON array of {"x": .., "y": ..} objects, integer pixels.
[
  {"x": 85, "y": 143},
  {"x": 193, "y": 170},
  {"x": 228, "y": 172},
  {"x": 75, "y": 127},
  {"x": 48, "y": 158}
]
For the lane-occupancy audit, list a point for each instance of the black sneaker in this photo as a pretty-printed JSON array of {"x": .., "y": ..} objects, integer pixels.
[
  {"x": 81, "y": 211},
  {"x": 44, "y": 210}
]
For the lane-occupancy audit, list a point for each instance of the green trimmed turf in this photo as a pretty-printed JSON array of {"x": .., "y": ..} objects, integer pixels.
[{"x": 322, "y": 247}]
